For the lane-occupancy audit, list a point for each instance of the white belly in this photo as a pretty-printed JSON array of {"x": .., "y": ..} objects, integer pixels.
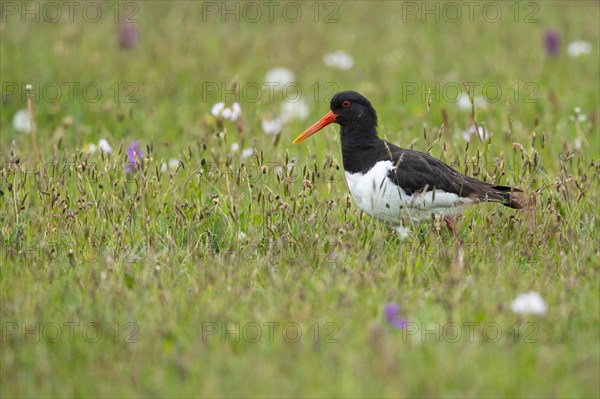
[{"x": 377, "y": 196}]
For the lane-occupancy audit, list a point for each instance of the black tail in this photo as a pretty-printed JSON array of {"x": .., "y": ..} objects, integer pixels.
[{"x": 508, "y": 199}]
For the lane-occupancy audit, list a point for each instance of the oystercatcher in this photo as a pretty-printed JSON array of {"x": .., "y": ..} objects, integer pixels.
[{"x": 397, "y": 185}]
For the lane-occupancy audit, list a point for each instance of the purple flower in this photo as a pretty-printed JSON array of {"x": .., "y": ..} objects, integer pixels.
[
  {"x": 129, "y": 35},
  {"x": 552, "y": 42},
  {"x": 133, "y": 153},
  {"x": 392, "y": 312}
]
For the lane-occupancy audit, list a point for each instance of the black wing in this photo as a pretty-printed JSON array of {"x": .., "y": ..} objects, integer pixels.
[{"x": 419, "y": 172}]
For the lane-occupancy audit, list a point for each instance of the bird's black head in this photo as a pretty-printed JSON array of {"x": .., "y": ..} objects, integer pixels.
[
  {"x": 352, "y": 111},
  {"x": 352, "y": 108}
]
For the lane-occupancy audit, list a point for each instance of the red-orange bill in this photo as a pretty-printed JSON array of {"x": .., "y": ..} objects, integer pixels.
[{"x": 324, "y": 121}]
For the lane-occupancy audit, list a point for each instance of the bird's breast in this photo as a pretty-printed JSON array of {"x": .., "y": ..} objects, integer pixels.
[{"x": 378, "y": 196}]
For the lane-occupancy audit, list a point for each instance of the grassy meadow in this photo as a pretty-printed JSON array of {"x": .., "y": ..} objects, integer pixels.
[{"x": 224, "y": 261}]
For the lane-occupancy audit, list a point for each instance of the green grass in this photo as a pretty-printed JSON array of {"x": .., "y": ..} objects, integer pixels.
[{"x": 156, "y": 260}]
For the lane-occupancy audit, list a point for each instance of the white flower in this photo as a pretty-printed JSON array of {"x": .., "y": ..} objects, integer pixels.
[
  {"x": 339, "y": 59},
  {"x": 21, "y": 121},
  {"x": 247, "y": 153},
  {"x": 227, "y": 114},
  {"x": 294, "y": 110},
  {"x": 291, "y": 165},
  {"x": 403, "y": 232},
  {"x": 217, "y": 109},
  {"x": 173, "y": 163},
  {"x": 529, "y": 303},
  {"x": 272, "y": 126},
  {"x": 279, "y": 77},
  {"x": 235, "y": 147},
  {"x": 577, "y": 144},
  {"x": 105, "y": 146},
  {"x": 480, "y": 132},
  {"x": 464, "y": 102},
  {"x": 480, "y": 102},
  {"x": 236, "y": 110},
  {"x": 289, "y": 111},
  {"x": 91, "y": 148},
  {"x": 579, "y": 117},
  {"x": 579, "y": 47}
]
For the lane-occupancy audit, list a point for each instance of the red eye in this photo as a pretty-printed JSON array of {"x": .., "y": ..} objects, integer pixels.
[{"x": 346, "y": 104}]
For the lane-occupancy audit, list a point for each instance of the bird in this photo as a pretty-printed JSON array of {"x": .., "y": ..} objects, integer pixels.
[{"x": 398, "y": 186}]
